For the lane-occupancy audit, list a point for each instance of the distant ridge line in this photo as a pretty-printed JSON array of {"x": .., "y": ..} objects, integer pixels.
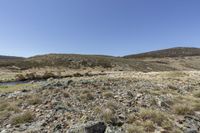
[{"x": 170, "y": 52}]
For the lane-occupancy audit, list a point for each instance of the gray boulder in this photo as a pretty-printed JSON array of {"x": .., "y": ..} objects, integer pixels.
[{"x": 90, "y": 127}]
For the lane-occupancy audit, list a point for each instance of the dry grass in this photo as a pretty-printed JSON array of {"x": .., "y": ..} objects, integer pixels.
[
  {"x": 34, "y": 100},
  {"x": 131, "y": 118},
  {"x": 113, "y": 105},
  {"x": 107, "y": 115},
  {"x": 108, "y": 94},
  {"x": 66, "y": 94},
  {"x": 6, "y": 106},
  {"x": 167, "y": 125},
  {"x": 87, "y": 96},
  {"x": 196, "y": 94},
  {"x": 17, "y": 87},
  {"x": 148, "y": 126},
  {"x": 176, "y": 74},
  {"x": 22, "y": 118},
  {"x": 3, "y": 115},
  {"x": 196, "y": 106},
  {"x": 182, "y": 109},
  {"x": 153, "y": 115},
  {"x": 135, "y": 129}
]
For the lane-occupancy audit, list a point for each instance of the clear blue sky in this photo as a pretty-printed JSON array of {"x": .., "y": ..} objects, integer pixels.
[{"x": 112, "y": 27}]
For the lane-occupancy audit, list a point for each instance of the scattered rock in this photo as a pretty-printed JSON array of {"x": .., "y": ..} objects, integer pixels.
[{"x": 90, "y": 127}]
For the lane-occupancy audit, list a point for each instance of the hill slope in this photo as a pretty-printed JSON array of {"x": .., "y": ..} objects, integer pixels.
[
  {"x": 171, "y": 52},
  {"x": 2, "y": 57},
  {"x": 140, "y": 62}
]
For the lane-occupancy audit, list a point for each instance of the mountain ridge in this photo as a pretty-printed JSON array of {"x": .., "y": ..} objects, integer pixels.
[{"x": 169, "y": 52}]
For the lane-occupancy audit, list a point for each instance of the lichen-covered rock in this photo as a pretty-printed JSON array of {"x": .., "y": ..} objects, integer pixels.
[{"x": 90, "y": 127}]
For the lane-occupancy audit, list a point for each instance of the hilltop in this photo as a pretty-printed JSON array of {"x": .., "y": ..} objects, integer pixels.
[{"x": 171, "y": 52}]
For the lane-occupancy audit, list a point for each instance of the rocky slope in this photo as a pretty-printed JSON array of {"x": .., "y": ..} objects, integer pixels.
[{"x": 118, "y": 102}]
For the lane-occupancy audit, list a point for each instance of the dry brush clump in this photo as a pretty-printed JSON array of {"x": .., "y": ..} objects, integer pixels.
[
  {"x": 8, "y": 106},
  {"x": 34, "y": 100},
  {"x": 20, "y": 77},
  {"x": 132, "y": 118},
  {"x": 147, "y": 120},
  {"x": 86, "y": 95},
  {"x": 196, "y": 106},
  {"x": 108, "y": 115},
  {"x": 6, "y": 109},
  {"x": 155, "y": 116},
  {"x": 196, "y": 94},
  {"x": 35, "y": 76},
  {"x": 66, "y": 94},
  {"x": 182, "y": 109},
  {"x": 133, "y": 128},
  {"x": 22, "y": 118},
  {"x": 148, "y": 126},
  {"x": 108, "y": 94}
]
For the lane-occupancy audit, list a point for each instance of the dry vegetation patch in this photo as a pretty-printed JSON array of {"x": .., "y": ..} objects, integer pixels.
[{"x": 22, "y": 118}]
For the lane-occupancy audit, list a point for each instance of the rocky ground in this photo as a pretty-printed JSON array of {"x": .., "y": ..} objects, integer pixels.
[{"x": 113, "y": 102}]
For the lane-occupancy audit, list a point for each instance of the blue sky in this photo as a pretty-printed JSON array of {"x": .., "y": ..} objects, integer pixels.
[{"x": 109, "y": 27}]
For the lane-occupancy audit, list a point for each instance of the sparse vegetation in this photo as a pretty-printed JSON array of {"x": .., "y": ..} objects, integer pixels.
[
  {"x": 108, "y": 94},
  {"x": 33, "y": 100},
  {"x": 153, "y": 115},
  {"x": 107, "y": 115},
  {"x": 135, "y": 129},
  {"x": 20, "y": 77},
  {"x": 148, "y": 126},
  {"x": 87, "y": 96},
  {"x": 6, "y": 106},
  {"x": 22, "y": 118},
  {"x": 47, "y": 75},
  {"x": 196, "y": 94},
  {"x": 66, "y": 94},
  {"x": 132, "y": 118},
  {"x": 182, "y": 109}
]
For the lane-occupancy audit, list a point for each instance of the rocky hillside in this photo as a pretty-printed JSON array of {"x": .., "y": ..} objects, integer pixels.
[
  {"x": 118, "y": 102},
  {"x": 84, "y": 61},
  {"x": 175, "y": 59},
  {"x": 172, "y": 52}
]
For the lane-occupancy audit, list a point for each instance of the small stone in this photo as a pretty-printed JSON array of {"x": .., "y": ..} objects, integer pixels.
[
  {"x": 191, "y": 130},
  {"x": 8, "y": 126},
  {"x": 121, "y": 116},
  {"x": 4, "y": 131}
]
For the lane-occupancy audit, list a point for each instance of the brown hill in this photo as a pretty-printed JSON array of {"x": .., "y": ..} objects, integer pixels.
[
  {"x": 171, "y": 52},
  {"x": 177, "y": 59},
  {"x": 2, "y": 57}
]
